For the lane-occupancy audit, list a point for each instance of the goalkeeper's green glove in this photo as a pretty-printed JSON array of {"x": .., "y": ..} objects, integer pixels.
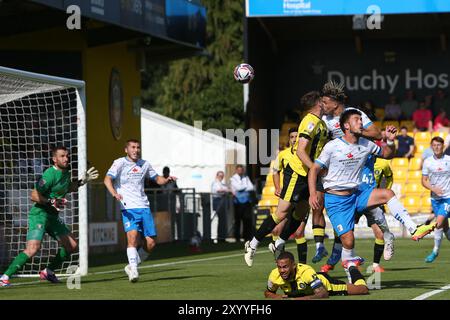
[
  {"x": 58, "y": 204},
  {"x": 90, "y": 175}
]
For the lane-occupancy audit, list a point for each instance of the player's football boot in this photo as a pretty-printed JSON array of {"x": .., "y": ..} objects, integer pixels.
[
  {"x": 378, "y": 269},
  {"x": 422, "y": 230},
  {"x": 335, "y": 256},
  {"x": 4, "y": 283},
  {"x": 326, "y": 268},
  {"x": 133, "y": 275},
  {"x": 276, "y": 251},
  {"x": 431, "y": 257},
  {"x": 320, "y": 254},
  {"x": 48, "y": 275},
  {"x": 388, "y": 245},
  {"x": 249, "y": 253}
]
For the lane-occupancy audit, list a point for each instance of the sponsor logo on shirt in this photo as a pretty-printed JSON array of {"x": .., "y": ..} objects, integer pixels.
[
  {"x": 337, "y": 125},
  {"x": 349, "y": 155}
]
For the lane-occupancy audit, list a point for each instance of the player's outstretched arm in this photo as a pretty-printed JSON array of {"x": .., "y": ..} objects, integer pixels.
[
  {"x": 108, "y": 181},
  {"x": 58, "y": 204},
  {"x": 272, "y": 295},
  {"x": 312, "y": 180},
  {"x": 372, "y": 132},
  {"x": 426, "y": 183},
  {"x": 319, "y": 293},
  {"x": 301, "y": 152}
]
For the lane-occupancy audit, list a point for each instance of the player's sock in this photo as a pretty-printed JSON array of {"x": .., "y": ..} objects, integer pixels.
[
  {"x": 380, "y": 219},
  {"x": 302, "y": 249},
  {"x": 58, "y": 260},
  {"x": 356, "y": 276},
  {"x": 265, "y": 228},
  {"x": 438, "y": 233},
  {"x": 274, "y": 238},
  {"x": 319, "y": 235},
  {"x": 348, "y": 254},
  {"x": 17, "y": 264},
  {"x": 132, "y": 257},
  {"x": 142, "y": 255},
  {"x": 378, "y": 249},
  {"x": 400, "y": 213}
]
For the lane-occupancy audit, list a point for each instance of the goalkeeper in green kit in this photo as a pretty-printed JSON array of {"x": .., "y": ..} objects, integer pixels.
[{"x": 48, "y": 197}]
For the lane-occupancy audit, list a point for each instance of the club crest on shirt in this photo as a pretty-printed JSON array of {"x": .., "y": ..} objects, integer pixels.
[{"x": 310, "y": 126}]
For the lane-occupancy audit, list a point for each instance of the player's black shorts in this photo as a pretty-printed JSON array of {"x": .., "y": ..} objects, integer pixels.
[{"x": 295, "y": 186}]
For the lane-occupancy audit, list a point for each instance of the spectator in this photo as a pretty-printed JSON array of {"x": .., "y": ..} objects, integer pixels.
[
  {"x": 171, "y": 184},
  {"x": 369, "y": 110},
  {"x": 405, "y": 144},
  {"x": 392, "y": 110},
  {"x": 241, "y": 186},
  {"x": 218, "y": 190},
  {"x": 441, "y": 102},
  {"x": 422, "y": 118},
  {"x": 441, "y": 122},
  {"x": 409, "y": 105}
]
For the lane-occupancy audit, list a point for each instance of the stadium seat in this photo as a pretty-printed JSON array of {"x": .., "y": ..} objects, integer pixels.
[
  {"x": 408, "y": 124},
  {"x": 415, "y": 164},
  {"x": 400, "y": 174},
  {"x": 378, "y": 123},
  {"x": 425, "y": 204},
  {"x": 379, "y": 114},
  {"x": 268, "y": 202},
  {"x": 422, "y": 137},
  {"x": 414, "y": 189},
  {"x": 268, "y": 191},
  {"x": 287, "y": 125},
  {"x": 443, "y": 135},
  {"x": 419, "y": 149},
  {"x": 391, "y": 123},
  {"x": 411, "y": 134},
  {"x": 414, "y": 176},
  {"x": 398, "y": 163},
  {"x": 412, "y": 204}
]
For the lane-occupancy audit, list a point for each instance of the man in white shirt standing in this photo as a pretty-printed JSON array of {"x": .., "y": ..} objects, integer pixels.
[
  {"x": 125, "y": 181},
  {"x": 344, "y": 158},
  {"x": 218, "y": 191},
  {"x": 241, "y": 186},
  {"x": 436, "y": 178}
]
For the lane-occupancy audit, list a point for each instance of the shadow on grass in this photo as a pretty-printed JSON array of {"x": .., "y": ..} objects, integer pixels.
[
  {"x": 125, "y": 277},
  {"x": 403, "y": 284},
  {"x": 169, "y": 250}
]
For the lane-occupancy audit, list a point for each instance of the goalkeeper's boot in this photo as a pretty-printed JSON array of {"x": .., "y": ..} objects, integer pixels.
[
  {"x": 388, "y": 251},
  {"x": 249, "y": 254},
  {"x": 433, "y": 255},
  {"x": 320, "y": 253},
  {"x": 422, "y": 230},
  {"x": 48, "y": 275}
]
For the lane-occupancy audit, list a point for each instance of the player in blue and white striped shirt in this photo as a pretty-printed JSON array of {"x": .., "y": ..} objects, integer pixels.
[{"x": 125, "y": 181}]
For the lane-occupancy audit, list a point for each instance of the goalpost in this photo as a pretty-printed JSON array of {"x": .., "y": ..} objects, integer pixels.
[{"x": 38, "y": 112}]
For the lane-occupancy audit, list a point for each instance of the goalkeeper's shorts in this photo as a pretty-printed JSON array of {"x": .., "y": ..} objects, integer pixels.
[
  {"x": 40, "y": 222},
  {"x": 139, "y": 219}
]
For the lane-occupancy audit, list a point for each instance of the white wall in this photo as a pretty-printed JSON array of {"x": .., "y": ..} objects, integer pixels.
[{"x": 193, "y": 156}]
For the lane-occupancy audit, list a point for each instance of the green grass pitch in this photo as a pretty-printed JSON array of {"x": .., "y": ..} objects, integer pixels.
[{"x": 220, "y": 273}]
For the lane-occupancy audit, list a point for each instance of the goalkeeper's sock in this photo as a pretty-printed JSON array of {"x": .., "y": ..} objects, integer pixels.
[
  {"x": 142, "y": 255},
  {"x": 399, "y": 212},
  {"x": 17, "y": 264},
  {"x": 58, "y": 260},
  {"x": 132, "y": 257}
]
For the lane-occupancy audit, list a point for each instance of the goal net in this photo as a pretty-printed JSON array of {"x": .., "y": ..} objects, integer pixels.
[{"x": 38, "y": 112}]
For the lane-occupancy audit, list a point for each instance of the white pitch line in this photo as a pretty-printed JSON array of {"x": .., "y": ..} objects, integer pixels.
[{"x": 432, "y": 293}]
